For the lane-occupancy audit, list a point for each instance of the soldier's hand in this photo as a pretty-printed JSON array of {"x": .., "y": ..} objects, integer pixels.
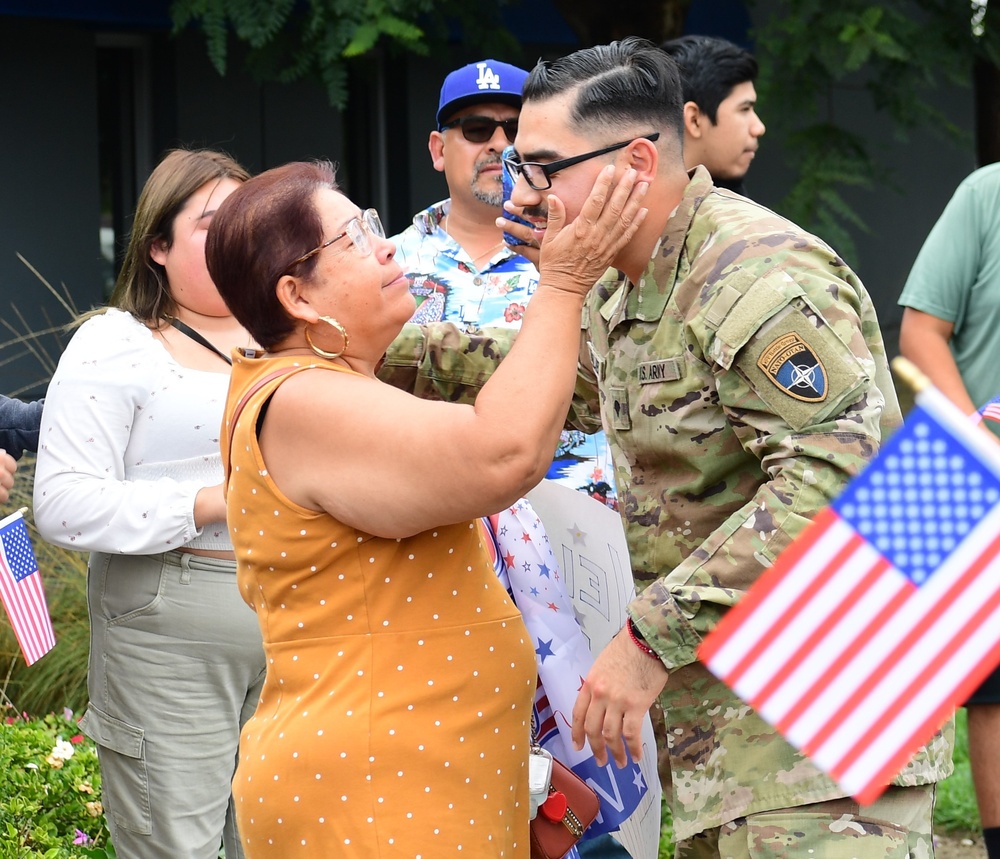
[
  {"x": 529, "y": 250},
  {"x": 618, "y": 692}
]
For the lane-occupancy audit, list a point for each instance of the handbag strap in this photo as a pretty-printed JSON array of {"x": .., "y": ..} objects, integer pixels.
[{"x": 187, "y": 330}]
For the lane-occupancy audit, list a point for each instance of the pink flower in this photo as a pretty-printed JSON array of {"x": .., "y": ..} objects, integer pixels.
[
  {"x": 513, "y": 312},
  {"x": 81, "y": 837},
  {"x": 76, "y": 739}
]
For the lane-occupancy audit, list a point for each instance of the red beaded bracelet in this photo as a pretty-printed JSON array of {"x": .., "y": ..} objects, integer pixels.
[{"x": 638, "y": 640}]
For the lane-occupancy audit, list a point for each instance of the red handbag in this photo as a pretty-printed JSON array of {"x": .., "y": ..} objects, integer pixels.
[{"x": 571, "y": 807}]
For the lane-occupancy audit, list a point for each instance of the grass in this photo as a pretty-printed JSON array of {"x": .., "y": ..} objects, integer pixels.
[{"x": 956, "y": 809}]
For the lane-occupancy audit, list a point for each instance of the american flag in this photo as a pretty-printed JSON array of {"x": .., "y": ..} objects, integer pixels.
[
  {"x": 858, "y": 643},
  {"x": 991, "y": 410},
  {"x": 21, "y": 590}
]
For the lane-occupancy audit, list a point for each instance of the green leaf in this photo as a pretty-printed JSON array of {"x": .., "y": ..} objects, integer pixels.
[{"x": 364, "y": 39}]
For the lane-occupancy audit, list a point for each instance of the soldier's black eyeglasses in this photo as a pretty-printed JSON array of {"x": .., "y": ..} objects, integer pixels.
[
  {"x": 539, "y": 175},
  {"x": 479, "y": 129}
]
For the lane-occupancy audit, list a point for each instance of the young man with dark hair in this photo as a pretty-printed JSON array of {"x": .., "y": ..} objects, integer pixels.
[
  {"x": 721, "y": 126},
  {"x": 740, "y": 373}
]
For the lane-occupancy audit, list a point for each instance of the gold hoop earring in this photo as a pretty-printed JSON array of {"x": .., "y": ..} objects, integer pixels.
[{"x": 333, "y": 323}]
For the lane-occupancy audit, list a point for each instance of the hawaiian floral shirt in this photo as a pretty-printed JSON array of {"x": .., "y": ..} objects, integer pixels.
[{"x": 446, "y": 283}]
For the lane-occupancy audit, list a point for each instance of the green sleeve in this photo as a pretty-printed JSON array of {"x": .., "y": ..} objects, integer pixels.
[
  {"x": 807, "y": 454},
  {"x": 441, "y": 362}
]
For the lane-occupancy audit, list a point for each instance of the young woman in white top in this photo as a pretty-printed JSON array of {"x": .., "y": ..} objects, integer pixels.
[{"x": 129, "y": 470}]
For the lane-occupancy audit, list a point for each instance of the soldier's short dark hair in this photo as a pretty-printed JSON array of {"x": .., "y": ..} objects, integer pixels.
[
  {"x": 629, "y": 82},
  {"x": 710, "y": 68}
]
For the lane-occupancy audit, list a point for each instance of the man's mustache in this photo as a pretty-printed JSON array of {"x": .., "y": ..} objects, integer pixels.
[{"x": 487, "y": 162}]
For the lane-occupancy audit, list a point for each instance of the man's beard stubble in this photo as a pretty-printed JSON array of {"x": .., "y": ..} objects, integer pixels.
[{"x": 492, "y": 193}]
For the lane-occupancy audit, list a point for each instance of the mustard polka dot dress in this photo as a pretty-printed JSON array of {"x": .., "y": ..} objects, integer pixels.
[{"x": 395, "y": 716}]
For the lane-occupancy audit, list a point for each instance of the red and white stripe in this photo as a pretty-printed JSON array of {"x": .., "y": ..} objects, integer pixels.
[
  {"x": 27, "y": 610},
  {"x": 854, "y": 664}
]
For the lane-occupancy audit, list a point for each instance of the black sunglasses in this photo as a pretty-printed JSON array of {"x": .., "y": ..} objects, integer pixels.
[
  {"x": 539, "y": 175},
  {"x": 479, "y": 129}
]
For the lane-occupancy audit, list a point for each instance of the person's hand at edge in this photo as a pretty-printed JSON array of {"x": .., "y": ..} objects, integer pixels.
[{"x": 7, "y": 468}]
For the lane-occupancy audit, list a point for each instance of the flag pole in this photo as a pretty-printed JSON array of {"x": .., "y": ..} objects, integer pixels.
[
  {"x": 908, "y": 372},
  {"x": 929, "y": 397}
]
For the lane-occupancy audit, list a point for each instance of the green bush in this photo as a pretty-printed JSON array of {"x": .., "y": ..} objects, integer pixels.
[
  {"x": 956, "y": 809},
  {"x": 58, "y": 679},
  {"x": 50, "y": 789},
  {"x": 50, "y": 784}
]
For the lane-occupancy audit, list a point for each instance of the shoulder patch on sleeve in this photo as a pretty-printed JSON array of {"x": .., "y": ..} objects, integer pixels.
[
  {"x": 792, "y": 365},
  {"x": 803, "y": 372},
  {"x": 742, "y": 307}
]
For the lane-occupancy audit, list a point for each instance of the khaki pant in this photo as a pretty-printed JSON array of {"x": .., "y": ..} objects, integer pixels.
[
  {"x": 896, "y": 826},
  {"x": 176, "y": 667}
]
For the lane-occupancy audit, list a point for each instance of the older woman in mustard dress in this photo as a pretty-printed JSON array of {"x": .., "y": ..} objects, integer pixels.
[{"x": 394, "y": 719}]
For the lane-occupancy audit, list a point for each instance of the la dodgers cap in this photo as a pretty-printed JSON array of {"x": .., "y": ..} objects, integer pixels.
[{"x": 487, "y": 80}]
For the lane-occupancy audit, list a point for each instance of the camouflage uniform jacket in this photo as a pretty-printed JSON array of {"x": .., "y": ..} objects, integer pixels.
[{"x": 743, "y": 381}]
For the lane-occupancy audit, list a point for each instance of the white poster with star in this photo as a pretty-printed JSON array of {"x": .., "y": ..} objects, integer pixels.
[{"x": 588, "y": 543}]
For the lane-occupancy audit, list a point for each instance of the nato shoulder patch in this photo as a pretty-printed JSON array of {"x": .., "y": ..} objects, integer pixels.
[{"x": 794, "y": 368}]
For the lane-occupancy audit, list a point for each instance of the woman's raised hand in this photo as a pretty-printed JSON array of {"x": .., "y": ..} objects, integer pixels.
[{"x": 572, "y": 256}]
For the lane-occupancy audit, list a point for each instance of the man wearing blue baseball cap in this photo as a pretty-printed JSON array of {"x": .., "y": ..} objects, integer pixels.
[{"x": 454, "y": 253}]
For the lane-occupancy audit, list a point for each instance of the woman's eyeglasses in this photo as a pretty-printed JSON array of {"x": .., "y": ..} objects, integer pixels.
[
  {"x": 360, "y": 231},
  {"x": 539, "y": 175},
  {"x": 479, "y": 129}
]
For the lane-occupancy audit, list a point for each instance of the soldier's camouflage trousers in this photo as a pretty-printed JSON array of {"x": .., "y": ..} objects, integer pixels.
[{"x": 896, "y": 826}]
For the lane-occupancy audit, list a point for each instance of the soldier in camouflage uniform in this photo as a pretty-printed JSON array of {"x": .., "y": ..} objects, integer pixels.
[{"x": 742, "y": 379}]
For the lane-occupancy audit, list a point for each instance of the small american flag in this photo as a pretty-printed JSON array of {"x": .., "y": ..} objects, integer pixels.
[
  {"x": 991, "y": 410},
  {"x": 885, "y": 613},
  {"x": 21, "y": 590}
]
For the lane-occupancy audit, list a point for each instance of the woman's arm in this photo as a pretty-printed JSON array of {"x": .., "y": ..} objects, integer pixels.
[
  {"x": 393, "y": 465},
  {"x": 82, "y": 499},
  {"x": 924, "y": 339}
]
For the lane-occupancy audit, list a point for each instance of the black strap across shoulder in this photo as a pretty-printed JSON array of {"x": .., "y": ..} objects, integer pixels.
[{"x": 186, "y": 329}]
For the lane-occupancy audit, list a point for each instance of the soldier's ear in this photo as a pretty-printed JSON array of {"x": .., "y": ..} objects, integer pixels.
[
  {"x": 435, "y": 145},
  {"x": 694, "y": 120},
  {"x": 643, "y": 156}
]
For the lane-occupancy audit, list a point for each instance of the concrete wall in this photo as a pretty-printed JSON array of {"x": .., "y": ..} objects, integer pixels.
[
  {"x": 49, "y": 160},
  {"x": 926, "y": 169},
  {"x": 263, "y": 125},
  {"x": 49, "y": 186}
]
